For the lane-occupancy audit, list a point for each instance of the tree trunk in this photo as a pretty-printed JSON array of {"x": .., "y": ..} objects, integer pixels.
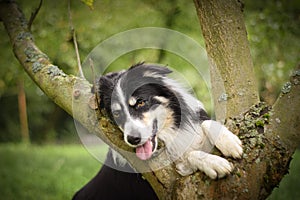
[
  {"x": 234, "y": 86},
  {"x": 23, "y": 111},
  {"x": 261, "y": 128}
]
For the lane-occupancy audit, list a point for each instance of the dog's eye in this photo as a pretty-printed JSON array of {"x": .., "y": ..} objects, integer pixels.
[
  {"x": 116, "y": 113},
  {"x": 140, "y": 103}
]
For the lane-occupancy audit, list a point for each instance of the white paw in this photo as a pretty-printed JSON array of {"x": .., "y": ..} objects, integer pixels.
[
  {"x": 184, "y": 168},
  {"x": 229, "y": 144},
  {"x": 212, "y": 165}
]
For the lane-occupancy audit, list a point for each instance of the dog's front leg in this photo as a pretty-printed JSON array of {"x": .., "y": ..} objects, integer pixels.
[
  {"x": 212, "y": 165},
  {"x": 228, "y": 143}
]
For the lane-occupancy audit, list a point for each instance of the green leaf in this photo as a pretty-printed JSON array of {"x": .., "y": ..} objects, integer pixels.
[{"x": 89, "y": 3}]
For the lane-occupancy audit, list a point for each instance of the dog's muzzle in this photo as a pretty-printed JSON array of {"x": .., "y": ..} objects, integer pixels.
[{"x": 145, "y": 150}]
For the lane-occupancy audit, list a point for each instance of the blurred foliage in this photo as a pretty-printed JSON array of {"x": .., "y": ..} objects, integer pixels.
[
  {"x": 273, "y": 31},
  {"x": 274, "y": 35},
  {"x": 89, "y": 3}
]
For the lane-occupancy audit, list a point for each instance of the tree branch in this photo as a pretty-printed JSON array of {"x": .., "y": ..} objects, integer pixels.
[
  {"x": 34, "y": 14},
  {"x": 285, "y": 117},
  {"x": 232, "y": 75},
  {"x": 74, "y": 38},
  {"x": 36, "y": 63}
]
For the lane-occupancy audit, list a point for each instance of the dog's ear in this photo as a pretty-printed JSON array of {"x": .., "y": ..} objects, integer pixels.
[
  {"x": 114, "y": 76},
  {"x": 150, "y": 70},
  {"x": 104, "y": 87},
  {"x": 106, "y": 81},
  {"x": 154, "y": 70}
]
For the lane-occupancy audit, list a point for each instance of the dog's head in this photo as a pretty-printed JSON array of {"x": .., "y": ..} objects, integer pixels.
[{"x": 140, "y": 103}]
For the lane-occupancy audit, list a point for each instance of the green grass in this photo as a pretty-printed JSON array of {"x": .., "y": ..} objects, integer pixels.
[
  {"x": 57, "y": 172},
  {"x": 44, "y": 172}
]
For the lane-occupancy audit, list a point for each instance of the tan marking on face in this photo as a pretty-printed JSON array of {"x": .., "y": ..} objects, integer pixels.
[
  {"x": 147, "y": 118},
  {"x": 167, "y": 122}
]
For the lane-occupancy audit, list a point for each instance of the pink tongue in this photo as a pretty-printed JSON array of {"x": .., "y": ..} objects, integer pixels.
[{"x": 144, "y": 152}]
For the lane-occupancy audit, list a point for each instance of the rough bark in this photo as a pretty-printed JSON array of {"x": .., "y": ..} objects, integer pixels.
[
  {"x": 233, "y": 82},
  {"x": 266, "y": 156}
]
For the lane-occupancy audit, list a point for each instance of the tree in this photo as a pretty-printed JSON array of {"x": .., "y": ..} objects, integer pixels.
[{"x": 270, "y": 134}]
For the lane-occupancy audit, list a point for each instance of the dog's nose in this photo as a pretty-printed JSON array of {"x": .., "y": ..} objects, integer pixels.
[{"x": 133, "y": 139}]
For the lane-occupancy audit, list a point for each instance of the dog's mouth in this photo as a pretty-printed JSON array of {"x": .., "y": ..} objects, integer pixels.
[{"x": 146, "y": 150}]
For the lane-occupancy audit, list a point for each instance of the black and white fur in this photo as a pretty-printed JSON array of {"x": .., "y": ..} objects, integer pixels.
[{"x": 147, "y": 105}]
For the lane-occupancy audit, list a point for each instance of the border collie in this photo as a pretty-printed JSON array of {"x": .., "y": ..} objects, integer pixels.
[{"x": 148, "y": 106}]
